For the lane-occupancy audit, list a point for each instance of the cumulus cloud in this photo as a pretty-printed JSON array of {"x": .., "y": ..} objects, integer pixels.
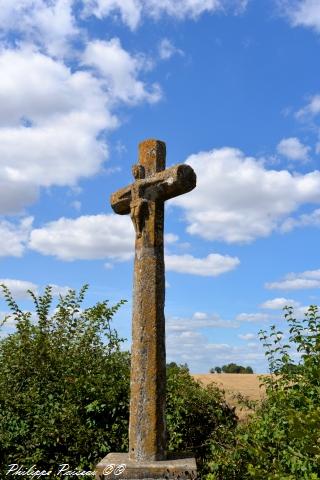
[
  {"x": 211, "y": 266},
  {"x": 197, "y": 321},
  {"x": 120, "y": 71},
  {"x": 14, "y": 237},
  {"x": 131, "y": 12},
  {"x": 51, "y": 25},
  {"x": 305, "y": 220},
  {"x": 167, "y": 49},
  {"x": 297, "y": 281},
  {"x": 253, "y": 317},
  {"x": 293, "y": 149},
  {"x": 238, "y": 199},
  {"x": 279, "y": 303},
  {"x": 304, "y": 13},
  {"x": 248, "y": 336},
  {"x": 87, "y": 237},
  {"x": 311, "y": 109},
  {"x": 43, "y": 106},
  {"x": 19, "y": 288}
]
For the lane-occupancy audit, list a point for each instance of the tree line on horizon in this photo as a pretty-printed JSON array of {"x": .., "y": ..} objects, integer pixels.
[{"x": 231, "y": 368}]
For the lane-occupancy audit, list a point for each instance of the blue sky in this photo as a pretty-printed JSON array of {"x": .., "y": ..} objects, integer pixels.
[{"x": 232, "y": 87}]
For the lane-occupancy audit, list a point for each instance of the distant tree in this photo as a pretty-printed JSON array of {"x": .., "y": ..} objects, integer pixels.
[
  {"x": 215, "y": 370},
  {"x": 234, "y": 368}
]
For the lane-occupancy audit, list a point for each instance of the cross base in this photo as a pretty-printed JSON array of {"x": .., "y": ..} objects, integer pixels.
[{"x": 170, "y": 469}]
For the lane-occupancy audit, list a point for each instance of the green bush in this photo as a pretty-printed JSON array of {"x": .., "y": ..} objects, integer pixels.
[
  {"x": 282, "y": 439},
  {"x": 196, "y": 415},
  {"x": 64, "y": 390},
  {"x": 63, "y": 384}
]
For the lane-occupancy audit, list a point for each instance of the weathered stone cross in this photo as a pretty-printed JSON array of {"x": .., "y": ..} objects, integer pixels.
[{"x": 144, "y": 201}]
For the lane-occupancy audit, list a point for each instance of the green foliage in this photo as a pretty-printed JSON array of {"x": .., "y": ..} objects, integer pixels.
[
  {"x": 282, "y": 439},
  {"x": 63, "y": 384},
  {"x": 196, "y": 415}
]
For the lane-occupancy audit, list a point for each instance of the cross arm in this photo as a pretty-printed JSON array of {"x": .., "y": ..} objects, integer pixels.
[
  {"x": 170, "y": 183},
  {"x": 162, "y": 185},
  {"x": 120, "y": 200}
]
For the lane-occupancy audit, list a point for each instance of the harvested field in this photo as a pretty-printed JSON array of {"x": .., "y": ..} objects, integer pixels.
[{"x": 247, "y": 385}]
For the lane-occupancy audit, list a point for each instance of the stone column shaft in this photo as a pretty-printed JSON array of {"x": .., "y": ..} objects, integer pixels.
[{"x": 147, "y": 433}]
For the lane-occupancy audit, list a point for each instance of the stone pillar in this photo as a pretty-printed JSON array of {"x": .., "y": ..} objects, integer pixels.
[{"x": 147, "y": 437}]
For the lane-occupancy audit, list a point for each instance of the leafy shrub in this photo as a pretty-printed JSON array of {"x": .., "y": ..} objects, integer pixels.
[
  {"x": 63, "y": 384},
  {"x": 282, "y": 440},
  {"x": 196, "y": 415}
]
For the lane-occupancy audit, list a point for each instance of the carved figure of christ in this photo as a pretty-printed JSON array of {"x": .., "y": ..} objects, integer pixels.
[{"x": 144, "y": 201}]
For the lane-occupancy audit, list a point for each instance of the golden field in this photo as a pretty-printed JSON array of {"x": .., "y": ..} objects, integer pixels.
[{"x": 233, "y": 384}]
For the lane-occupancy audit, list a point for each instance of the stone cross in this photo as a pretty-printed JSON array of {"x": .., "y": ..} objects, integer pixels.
[{"x": 144, "y": 201}]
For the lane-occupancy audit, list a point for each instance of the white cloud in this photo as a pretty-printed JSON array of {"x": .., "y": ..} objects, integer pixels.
[
  {"x": 51, "y": 25},
  {"x": 304, "y": 13},
  {"x": 43, "y": 106},
  {"x": 293, "y": 284},
  {"x": 293, "y": 149},
  {"x": 199, "y": 320},
  {"x": 305, "y": 220},
  {"x": 131, "y": 12},
  {"x": 311, "y": 109},
  {"x": 210, "y": 266},
  {"x": 167, "y": 49},
  {"x": 19, "y": 288},
  {"x": 200, "y": 315},
  {"x": 253, "y": 317},
  {"x": 14, "y": 237},
  {"x": 248, "y": 336},
  {"x": 120, "y": 71},
  {"x": 297, "y": 281},
  {"x": 279, "y": 303},
  {"x": 57, "y": 290},
  {"x": 238, "y": 200},
  {"x": 170, "y": 238},
  {"x": 86, "y": 237}
]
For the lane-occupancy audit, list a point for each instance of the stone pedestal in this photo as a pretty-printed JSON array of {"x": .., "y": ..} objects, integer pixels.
[{"x": 170, "y": 469}]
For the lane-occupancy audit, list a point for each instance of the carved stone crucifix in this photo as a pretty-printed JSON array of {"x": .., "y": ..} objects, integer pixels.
[{"x": 144, "y": 201}]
